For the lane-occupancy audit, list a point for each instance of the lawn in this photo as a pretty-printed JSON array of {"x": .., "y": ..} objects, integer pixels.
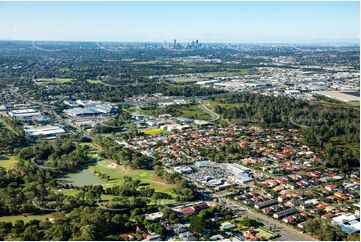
[
  {"x": 266, "y": 233},
  {"x": 239, "y": 72},
  {"x": 52, "y": 81},
  {"x": 68, "y": 192},
  {"x": 154, "y": 131},
  {"x": 184, "y": 79},
  {"x": 147, "y": 177},
  {"x": 146, "y": 62},
  {"x": 93, "y": 81},
  {"x": 187, "y": 111},
  {"x": 8, "y": 162},
  {"x": 195, "y": 112},
  {"x": 354, "y": 104},
  {"x": 116, "y": 174},
  {"x": 25, "y": 217}
]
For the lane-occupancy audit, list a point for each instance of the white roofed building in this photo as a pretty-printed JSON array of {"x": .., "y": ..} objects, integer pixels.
[
  {"x": 47, "y": 130},
  {"x": 349, "y": 223}
]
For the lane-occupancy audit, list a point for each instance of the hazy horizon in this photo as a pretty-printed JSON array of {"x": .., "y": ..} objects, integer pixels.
[{"x": 209, "y": 22}]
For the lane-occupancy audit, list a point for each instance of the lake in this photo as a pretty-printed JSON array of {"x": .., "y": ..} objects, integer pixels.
[{"x": 82, "y": 178}]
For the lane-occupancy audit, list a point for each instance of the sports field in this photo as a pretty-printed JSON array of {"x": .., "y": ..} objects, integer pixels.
[{"x": 154, "y": 131}]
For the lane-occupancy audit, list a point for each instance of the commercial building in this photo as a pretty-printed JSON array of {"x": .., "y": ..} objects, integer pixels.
[
  {"x": 153, "y": 216},
  {"x": 202, "y": 163},
  {"x": 88, "y": 103},
  {"x": 202, "y": 123},
  {"x": 240, "y": 173},
  {"x": 183, "y": 169},
  {"x": 349, "y": 223},
  {"x": 174, "y": 127},
  {"x": 100, "y": 109}
]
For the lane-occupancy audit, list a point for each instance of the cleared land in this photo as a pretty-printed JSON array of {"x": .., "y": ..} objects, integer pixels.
[
  {"x": 8, "y": 162},
  {"x": 52, "y": 81},
  {"x": 184, "y": 79},
  {"x": 93, "y": 81},
  {"x": 240, "y": 72},
  {"x": 339, "y": 95},
  {"x": 154, "y": 131},
  {"x": 188, "y": 111}
]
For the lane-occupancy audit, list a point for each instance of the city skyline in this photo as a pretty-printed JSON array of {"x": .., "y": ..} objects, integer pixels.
[{"x": 211, "y": 22}]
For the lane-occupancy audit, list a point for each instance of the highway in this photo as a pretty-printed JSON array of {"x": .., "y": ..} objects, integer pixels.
[{"x": 218, "y": 95}]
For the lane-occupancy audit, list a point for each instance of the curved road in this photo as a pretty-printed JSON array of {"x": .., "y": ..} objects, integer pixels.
[{"x": 215, "y": 116}]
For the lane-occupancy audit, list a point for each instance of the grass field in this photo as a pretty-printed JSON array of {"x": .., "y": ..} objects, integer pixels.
[
  {"x": 68, "y": 192},
  {"x": 93, "y": 81},
  {"x": 266, "y": 233},
  {"x": 195, "y": 112},
  {"x": 8, "y": 162},
  {"x": 147, "y": 177},
  {"x": 146, "y": 62},
  {"x": 187, "y": 111},
  {"x": 154, "y": 131},
  {"x": 52, "y": 81},
  {"x": 25, "y": 217},
  {"x": 184, "y": 80},
  {"x": 117, "y": 173},
  {"x": 240, "y": 72}
]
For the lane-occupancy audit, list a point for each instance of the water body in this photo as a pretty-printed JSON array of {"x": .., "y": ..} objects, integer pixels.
[{"x": 82, "y": 178}]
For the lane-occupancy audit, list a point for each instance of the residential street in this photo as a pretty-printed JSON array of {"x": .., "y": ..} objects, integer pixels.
[{"x": 287, "y": 233}]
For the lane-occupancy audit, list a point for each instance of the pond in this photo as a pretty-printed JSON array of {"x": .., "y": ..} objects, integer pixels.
[{"x": 82, "y": 178}]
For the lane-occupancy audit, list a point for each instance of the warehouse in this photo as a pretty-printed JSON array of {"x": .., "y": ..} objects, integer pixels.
[
  {"x": 47, "y": 130},
  {"x": 25, "y": 114}
]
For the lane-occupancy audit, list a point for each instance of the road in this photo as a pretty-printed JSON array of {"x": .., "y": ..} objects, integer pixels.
[
  {"x": 218, "y": 95},
  {"x": 287, "y": 232},
  {"x": 215, "y": 116}
]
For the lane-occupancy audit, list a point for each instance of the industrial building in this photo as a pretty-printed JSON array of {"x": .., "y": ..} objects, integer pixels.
[
  {"x": 27, "y": 115},
  {"x": 47, "y": 130}
]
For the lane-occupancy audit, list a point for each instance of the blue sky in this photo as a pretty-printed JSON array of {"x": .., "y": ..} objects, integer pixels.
[{"x": 158, "y": 21}]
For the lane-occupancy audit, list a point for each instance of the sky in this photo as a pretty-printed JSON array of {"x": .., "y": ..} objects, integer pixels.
[{"x": 238, "y": 22}]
